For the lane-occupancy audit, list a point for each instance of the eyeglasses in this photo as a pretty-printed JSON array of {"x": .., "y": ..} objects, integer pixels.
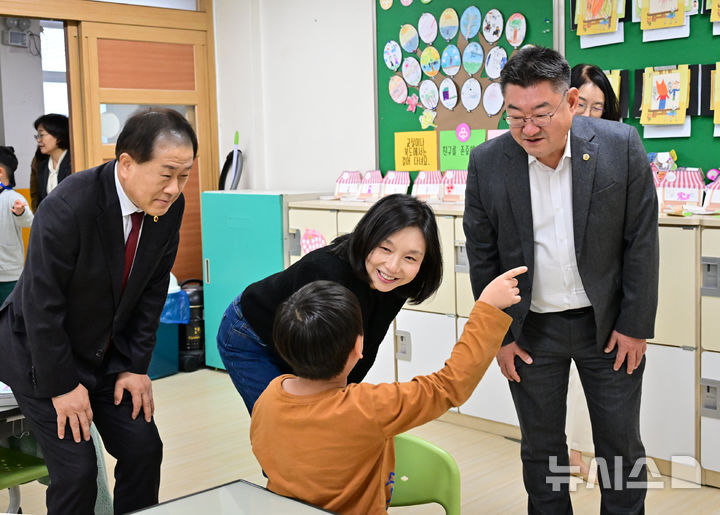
[
  {"x": 582, "y": 107},
  {"x": 538, "y": 120},
  {"x": 40, "y": 135}
]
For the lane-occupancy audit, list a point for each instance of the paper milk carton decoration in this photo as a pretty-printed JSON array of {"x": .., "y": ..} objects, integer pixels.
[
  {"x": 712, "y": 197},
  {"x": 453, "y": 185},
  {"x": 347, "y": 184},
  {"x": 371, "y": 185},
  {"x": 680, "y": 187},
  {"x": 428, "y": 185},
  {"x": 311, "y": 240},
  {"x": 395, "y": 182}
]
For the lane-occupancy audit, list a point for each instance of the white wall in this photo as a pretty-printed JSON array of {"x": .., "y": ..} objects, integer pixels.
[
  {"x": 21, "y": 94},
  {"x": 295, "y": 78}
]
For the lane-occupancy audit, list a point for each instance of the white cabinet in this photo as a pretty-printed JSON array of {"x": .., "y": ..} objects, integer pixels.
[
  {"x": 675, "y": 323},
  {"x": 310, "y": 228},
  {"x": 347, "y": 220},
  {"x": 491, "y": 400},
  {"x": 426, "y": 339},
  {"x": 444, "y": 299},
  {"x": 463, "y": 289},
  {"x": 383, "y": 370},
  {"x": 710, "y": 426},
  {"x": 667, "y": 411},
  {"x": 710, "y": 304}
]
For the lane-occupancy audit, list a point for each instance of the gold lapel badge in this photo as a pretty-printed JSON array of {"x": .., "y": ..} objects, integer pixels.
[
  {"x": 585, "y": 158},
  {"x": 155, "y": 218}
]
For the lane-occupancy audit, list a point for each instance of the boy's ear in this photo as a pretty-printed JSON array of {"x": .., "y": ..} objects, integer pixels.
[{"x": 358, "y": 349}]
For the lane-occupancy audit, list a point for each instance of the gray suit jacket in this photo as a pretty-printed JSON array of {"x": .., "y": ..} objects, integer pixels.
[{"x": 614, "y": 224}]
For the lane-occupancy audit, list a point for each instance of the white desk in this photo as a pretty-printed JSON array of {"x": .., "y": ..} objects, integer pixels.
[{"x": 237, "y": 498}]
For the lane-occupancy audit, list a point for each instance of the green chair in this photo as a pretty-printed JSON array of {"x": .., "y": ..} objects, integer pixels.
[
  {"x": 425, "y": 473},
  {"x": 17, "y": 468}
]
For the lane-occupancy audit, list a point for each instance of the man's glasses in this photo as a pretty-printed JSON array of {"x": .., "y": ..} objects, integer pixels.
[
  {"x": 582, "y": 107},
  {"x": 538, "y": 120}
]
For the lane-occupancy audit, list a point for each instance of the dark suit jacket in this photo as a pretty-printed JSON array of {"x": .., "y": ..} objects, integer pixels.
[
  {"x": 67, "y": 306},
  {"x": 44, "y": 172},
  {"x": 614, "y": 224}
]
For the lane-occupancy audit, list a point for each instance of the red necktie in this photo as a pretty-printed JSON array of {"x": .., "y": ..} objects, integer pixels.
[{"x": 131, "y": 245}]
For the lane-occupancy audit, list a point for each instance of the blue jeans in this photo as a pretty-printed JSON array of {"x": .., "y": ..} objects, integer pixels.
[{"x": 250, "y": 363}]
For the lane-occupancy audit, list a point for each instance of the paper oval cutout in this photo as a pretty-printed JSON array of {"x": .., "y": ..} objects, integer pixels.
[
  {"x": 425, "y": 1},
  {"x": 409, "y": 38},
  {"x": 515, "y": 29},
  {"x": 473, "y": 58},
  {"x": 427, "y": 28},
  {"x": 448, "y": 94},
  {"x": 492, "y": 26},
  {"x": 493, "y": 99},
  {"x": 470, "y": 22},
  {"x": 392, "y": 55},
  {"x": 451, "y": 60},
  {"x": 449, "y": 24},
  {"x": 430, "y": 61},
  {"x": 386, "y": 4},
  {"x": 429, "y": 94},
  {"x": 411, "y": 71},
  {"x": 470, "y": 94},
  {"x": 406, "y": 2},
  {"x": 398, "y": 89},
  {"x": 496, "y": 59}
]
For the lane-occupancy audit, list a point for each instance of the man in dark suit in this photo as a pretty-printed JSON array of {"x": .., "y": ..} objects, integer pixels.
[
  {"x": 573, "y": 199},
  {"x": 78, "y": 331}
]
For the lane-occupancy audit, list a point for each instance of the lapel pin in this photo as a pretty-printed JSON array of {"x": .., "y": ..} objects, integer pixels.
[
  {"x": 585, "y": 158},
  {"x": 155, "y": 218}
]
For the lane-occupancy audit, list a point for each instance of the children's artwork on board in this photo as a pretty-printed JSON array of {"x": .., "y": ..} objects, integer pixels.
[
  {"x": 430, "y": 61},
  {"x": 596, "y": 17},
  {"x": 492, "y": 25},
  {"x": 427, "y": 28},
  {"x": 665, "y": 96},
  {"x": 411, "y": 71},
  {"x": 451, "y": 60},
  {"x": 613, "y": 77},
  {"x": 470, "y": 94},
  {"x": 715, "y": 11},
  {"x": 715, "y": 92},
  {"x": 429, "y": 94},
  {"x": 470, "y": 22},
  {"x": 409, "y": 39},
  {"x": 515, "y": 29},
  {"x": 386, "y": 4},
  {"x": 412, "y": 102},
  {"x": 427, "y": 119},
  {"x": 496, "y": 59},
  {"x": 662, "y": 14},
  {"x": 473, "y": 58},
  {"x": 392, "y": 54},
  {"x": 398, "y": 89},
  {"x": 493, "y": 99},
  {"x": 449, "y": 24},
  {"x": 448, "y": 94}
]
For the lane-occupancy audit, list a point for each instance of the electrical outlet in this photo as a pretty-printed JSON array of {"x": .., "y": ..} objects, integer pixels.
[{"x": 403, "y": 346}]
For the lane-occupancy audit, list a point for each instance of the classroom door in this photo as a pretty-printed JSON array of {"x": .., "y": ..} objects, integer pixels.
[{"x": 125, "y": 68}]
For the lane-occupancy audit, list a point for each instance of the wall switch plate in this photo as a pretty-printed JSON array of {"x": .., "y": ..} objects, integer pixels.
[
  {"x": 709, "y": 400},
  {"x": 403, "y": 346}
]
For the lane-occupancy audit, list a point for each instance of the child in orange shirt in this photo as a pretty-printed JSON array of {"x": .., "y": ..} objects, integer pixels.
[{"x": 331, "y": 444}]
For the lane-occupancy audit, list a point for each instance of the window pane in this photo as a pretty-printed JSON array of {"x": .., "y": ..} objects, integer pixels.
[
  {"x": 114, "y": 116},
  {"x": 55, "y": 97},
  {"x": 52, "y": 43},
  {"x": 185, "y": 5}
]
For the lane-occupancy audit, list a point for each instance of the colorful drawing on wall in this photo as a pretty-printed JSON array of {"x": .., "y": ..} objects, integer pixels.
[
  {"x": 515, "y": 29},
  {"x": 411, "y": 71},
  {"x": 496, "y": 59},
  {"x": 412, "y": 102},
  {"x": 448, "y": 94},
  {"x": 596, "y": 16},
  {"x": 662, "y": 14},
  {"x": 429, "y": 94},
  {"x": 470, "y": 94},
  {"x": 493, "y": 99},
  {"x": 665, "y": 96},
  {"x": 449, "y": 24},
  {"x": 415, "y": 151},
  {"x": 427, "y": 118},
  {"x": 451, "y": 60},
  {"x": 386, "y": 4},
  {"x": 406, "y": 2},
  {"x": 715, "y": 11},
  {"x": 492, "y": 25},
  {"x": 473, "y": 58},
  {"x": 430, "y": 61},
  {"x": 470, "y": 22},
  {"x": 409, "y": 38},
  {"x": 453, "y": 153},
  {"x": 614, "y": 78},
  {"x": 427, "y": 28},
  {"x": 398, "y": 89},
  {"x": 392, "y": 55},
  {"x": 715, "y": 93}
]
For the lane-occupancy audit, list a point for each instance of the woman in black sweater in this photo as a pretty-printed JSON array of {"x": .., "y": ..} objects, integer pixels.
[{"x": 392, "y": 256}]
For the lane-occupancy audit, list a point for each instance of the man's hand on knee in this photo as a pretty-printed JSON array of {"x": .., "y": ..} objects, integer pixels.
[
  {"x": 140, "y": 388},
  {"x": 74, "y": 408}
]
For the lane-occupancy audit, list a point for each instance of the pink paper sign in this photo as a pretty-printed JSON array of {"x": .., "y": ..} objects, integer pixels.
[{"x": 462, "y": 132}]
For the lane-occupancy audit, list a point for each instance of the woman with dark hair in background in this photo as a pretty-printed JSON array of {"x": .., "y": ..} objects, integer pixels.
[
  {"x": 14, "y": 215},
  {"x": 53, "y": 137},
  {"x": 598, "y": 100},
  {"x": 392, "y": 256}
]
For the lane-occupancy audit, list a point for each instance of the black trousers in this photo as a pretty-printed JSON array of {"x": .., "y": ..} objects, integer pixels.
[
  {"x": 613, "y": 398},
  {"x": 72, "y": 466}
]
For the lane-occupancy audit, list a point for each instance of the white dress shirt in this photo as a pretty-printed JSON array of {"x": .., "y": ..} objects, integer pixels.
[
  {"x": 556, "y": 281},
  {"x": 52, "y": 181},
  {"x": 126, "y": 207}
]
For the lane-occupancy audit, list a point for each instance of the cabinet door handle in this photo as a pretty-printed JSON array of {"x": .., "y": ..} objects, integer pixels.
[
  {"x": 294, "y": 247},
  {"x": 461, "y": 261},
  {"x": 207, "y": 271},
  {"x": 710, "y": 276}
]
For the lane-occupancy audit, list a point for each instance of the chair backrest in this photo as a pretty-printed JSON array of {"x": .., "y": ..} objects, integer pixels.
[{"x": 425, "y": 473}]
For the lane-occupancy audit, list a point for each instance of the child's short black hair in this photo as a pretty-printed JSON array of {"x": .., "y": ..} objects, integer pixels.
[
  {"x": 316, "y": 328},
  {"x": 9, "y": 162}
]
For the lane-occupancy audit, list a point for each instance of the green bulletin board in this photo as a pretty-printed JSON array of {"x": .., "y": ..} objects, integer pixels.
[
  {"x": 700, "y": 149},
  {"x": 393, "y": 117}
]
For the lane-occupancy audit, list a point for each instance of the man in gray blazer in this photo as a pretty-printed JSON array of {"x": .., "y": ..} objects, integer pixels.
[{"x": 573, "y": 199}]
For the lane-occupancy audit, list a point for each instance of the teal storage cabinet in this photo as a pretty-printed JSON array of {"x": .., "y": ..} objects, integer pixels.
[{"x": 244, "y": 239}]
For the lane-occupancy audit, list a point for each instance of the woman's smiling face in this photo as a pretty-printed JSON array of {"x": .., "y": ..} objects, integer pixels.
[{"x": 396, "y": 260}]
